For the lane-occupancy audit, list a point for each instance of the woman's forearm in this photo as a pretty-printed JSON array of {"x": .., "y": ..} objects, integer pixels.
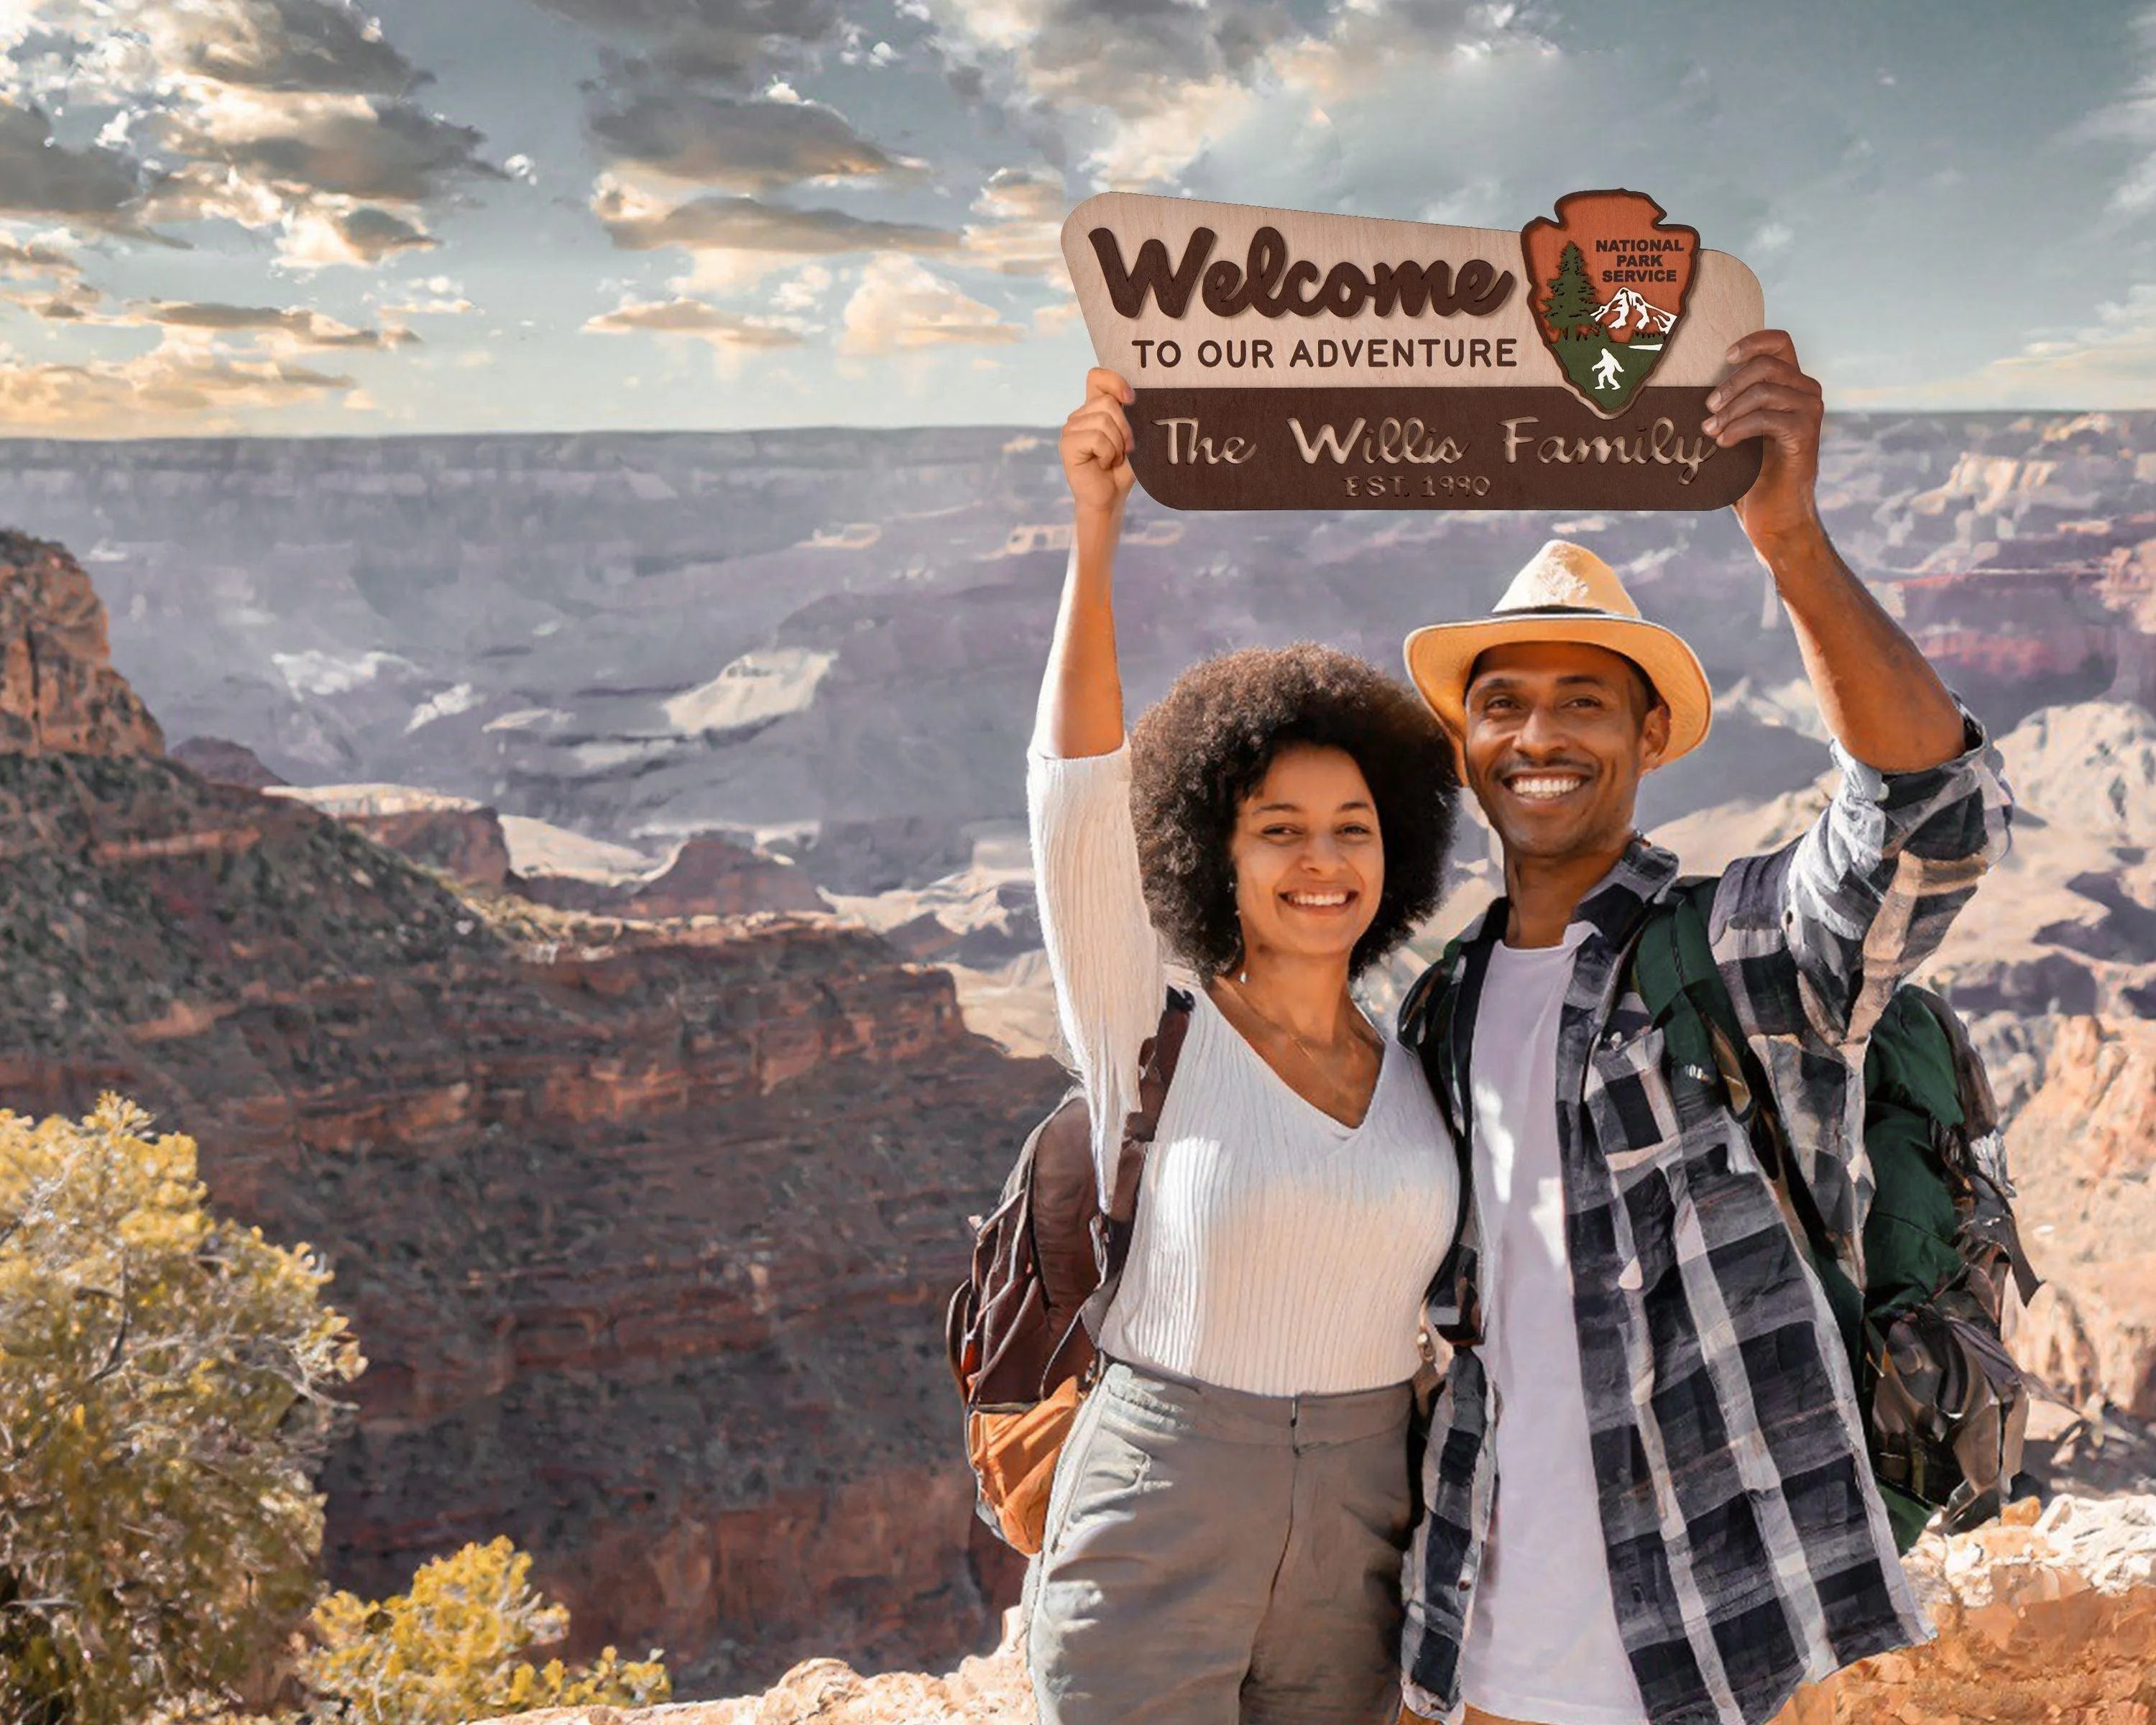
[{"x": 1081, "y": 692}]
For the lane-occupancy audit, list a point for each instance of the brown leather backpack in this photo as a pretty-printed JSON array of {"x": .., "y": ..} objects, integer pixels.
[{"x": 1020, "y": 1329}]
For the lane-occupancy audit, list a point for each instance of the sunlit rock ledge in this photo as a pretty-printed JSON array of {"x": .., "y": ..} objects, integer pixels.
[{"x": 2047, "y": 1616}]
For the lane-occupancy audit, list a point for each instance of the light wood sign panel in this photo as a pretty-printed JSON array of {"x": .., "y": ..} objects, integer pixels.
[{"x": 1288, "y": 360}]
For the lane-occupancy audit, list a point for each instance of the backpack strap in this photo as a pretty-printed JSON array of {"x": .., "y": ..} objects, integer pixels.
[
  {"x": 1438, "y": 1020},
  {"x": 1112, "y": 1228},
  {"x": 1711, "y": 1063}
]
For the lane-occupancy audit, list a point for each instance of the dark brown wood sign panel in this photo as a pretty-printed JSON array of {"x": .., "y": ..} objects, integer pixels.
[
  {"x": 1288, "y": 360},
  {"x": 1403, "y": 447}
]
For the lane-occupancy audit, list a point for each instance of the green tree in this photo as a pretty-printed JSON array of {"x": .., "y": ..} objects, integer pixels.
[
  {"x": 166, "y": 1400},
  {"x": 454, "y": 1649},
  {"x": 1570, "y": 306}
]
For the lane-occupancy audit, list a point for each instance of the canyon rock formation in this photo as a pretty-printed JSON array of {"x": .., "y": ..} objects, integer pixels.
[
  {"x": 644, "y": 1226},
  {"x": 59, "y": 692},
  {"x": 645, "y": 637}
]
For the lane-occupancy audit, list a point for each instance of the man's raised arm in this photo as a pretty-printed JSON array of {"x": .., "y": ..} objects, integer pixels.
[
  {"x": 1824, "y": 930},
  {"x": 1880, "y": 697}
]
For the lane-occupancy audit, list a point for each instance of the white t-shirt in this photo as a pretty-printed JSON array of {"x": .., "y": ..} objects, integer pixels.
[{"x": 1541, "y": 1639}]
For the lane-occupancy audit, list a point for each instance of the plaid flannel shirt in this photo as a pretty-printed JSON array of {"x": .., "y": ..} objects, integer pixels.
[{"x": 1748, "y": 1550}]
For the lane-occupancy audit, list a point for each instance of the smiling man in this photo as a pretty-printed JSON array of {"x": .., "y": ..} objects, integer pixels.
[{"x": 1647, "y": 1500}]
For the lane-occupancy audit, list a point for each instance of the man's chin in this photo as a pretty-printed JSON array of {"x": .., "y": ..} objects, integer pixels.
[{"x": 1551, "y": 839}]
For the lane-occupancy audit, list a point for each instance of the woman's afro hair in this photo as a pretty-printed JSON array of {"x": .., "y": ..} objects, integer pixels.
[{"x": 1207, "y": 745}]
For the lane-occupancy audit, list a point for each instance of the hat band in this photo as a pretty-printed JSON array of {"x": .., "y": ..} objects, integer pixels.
[{"x": 1565, "y": 611}]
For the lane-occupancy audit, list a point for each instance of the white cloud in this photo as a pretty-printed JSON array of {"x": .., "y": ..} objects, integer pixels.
[
  {"x": 431, "y": 296},
  {"x": 1145, "y": 91},
  {"x": 901, "y": 306},
  {"x": 2108, "y": 364},
  {"x": 1022, "y": 234},
  {"x": 295, "y": 116},
  {"x": 2132, "y": 118},
  {"x": 687, "y": 316},
  {"x": 804, "y": 291},
  {"x": 182, "y": 385}
]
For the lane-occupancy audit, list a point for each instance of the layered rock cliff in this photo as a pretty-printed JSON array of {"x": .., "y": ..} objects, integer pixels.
[
  {"x": 645, "y": 1227},
  {"x": 2085, "y": 1160}
]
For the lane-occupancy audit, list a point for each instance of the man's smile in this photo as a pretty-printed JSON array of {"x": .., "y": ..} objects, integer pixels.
[{"x": 1544, "y": 784}]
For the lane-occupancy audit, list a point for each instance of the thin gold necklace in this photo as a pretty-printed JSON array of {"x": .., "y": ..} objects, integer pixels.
[{"x": 1362, "y": 1031}]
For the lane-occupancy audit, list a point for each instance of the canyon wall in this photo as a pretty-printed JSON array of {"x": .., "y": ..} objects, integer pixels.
[{"x": 645, "y": 1227}]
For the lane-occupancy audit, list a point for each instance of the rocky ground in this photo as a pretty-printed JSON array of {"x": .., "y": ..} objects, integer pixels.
[{"x": 2046, "y": 1619}]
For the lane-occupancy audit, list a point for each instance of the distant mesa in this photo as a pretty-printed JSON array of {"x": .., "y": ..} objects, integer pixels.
[
  {"x": 849, "y": 536},
  {"x": 709, "y": 875},
  {"x": 886, "y": 854},
  {"x": 752, "y": 691},
  {"x": 1031, "y": 536},
  {"x": 223, "y": 761},
  {"x": 455, "y": 834}
]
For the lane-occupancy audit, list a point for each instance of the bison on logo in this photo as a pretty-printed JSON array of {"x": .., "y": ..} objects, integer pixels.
[{"x": 1608, "y": 280}]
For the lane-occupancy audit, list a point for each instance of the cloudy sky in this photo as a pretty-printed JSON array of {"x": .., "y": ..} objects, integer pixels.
[{"x": 307, "y": 216}]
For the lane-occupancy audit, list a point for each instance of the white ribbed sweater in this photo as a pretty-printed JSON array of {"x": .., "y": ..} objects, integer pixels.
[{"x": 1275, "y": 1250}]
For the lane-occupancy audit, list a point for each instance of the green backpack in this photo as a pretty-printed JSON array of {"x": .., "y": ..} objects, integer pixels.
[{"x": 1944, "y": 1403}]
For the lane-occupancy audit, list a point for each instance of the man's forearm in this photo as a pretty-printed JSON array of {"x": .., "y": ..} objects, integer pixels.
[{"x": 1878, "y": 694}]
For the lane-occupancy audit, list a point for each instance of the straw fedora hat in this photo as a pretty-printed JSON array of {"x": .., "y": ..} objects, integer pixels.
[{"x": 1565, "y": 594}]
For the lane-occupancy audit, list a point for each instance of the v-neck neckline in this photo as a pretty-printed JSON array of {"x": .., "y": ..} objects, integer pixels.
[{"x": 1332, "y": 1122}]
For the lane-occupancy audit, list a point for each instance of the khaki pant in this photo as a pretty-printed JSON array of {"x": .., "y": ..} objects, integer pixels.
[{"x": 1214, "y": 1558}]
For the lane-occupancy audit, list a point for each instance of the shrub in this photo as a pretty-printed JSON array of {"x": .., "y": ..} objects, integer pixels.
[
  {"x": 165, "y": 1403},
  {"x": 453, "y": 1649}
]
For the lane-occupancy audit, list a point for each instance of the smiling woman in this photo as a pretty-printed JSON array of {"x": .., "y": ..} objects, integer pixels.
[{"x": 1225, "y": 1536}]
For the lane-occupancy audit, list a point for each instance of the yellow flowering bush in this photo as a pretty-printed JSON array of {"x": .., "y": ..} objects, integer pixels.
[
  {"x": 454, "y": 1649},
  {"x": 166, "y": 1401}
]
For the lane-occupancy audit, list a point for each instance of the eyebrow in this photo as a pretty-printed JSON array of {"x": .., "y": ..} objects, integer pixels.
[
  {"x": 1503, "y": 679},
  {"x": 1297, "y": 807}
]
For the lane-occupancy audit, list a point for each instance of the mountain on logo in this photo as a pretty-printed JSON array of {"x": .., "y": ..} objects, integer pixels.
[
  {"x": 1592, "y": 270},
  {"x": 1628, "y": 306}
]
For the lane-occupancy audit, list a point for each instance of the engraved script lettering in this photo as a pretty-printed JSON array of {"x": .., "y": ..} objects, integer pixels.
[
  {"x": 1185, "y": 444},
  {"x": 1272, "y": 285},
  {"x": 1658, "y": 444}
]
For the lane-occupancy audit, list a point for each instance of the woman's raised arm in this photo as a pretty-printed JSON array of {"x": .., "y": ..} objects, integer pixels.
[{"x": 1082, "y": 693}]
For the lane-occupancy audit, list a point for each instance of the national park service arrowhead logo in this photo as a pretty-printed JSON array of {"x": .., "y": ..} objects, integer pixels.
[{"x": 1608, "y": 281}]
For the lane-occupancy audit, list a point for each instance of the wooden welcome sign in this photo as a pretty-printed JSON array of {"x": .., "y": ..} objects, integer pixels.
[{"x": 1287, "y": 360}]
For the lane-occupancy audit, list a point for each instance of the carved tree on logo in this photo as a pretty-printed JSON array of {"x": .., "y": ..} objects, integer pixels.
[{"x": 1570, "y": 307}]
